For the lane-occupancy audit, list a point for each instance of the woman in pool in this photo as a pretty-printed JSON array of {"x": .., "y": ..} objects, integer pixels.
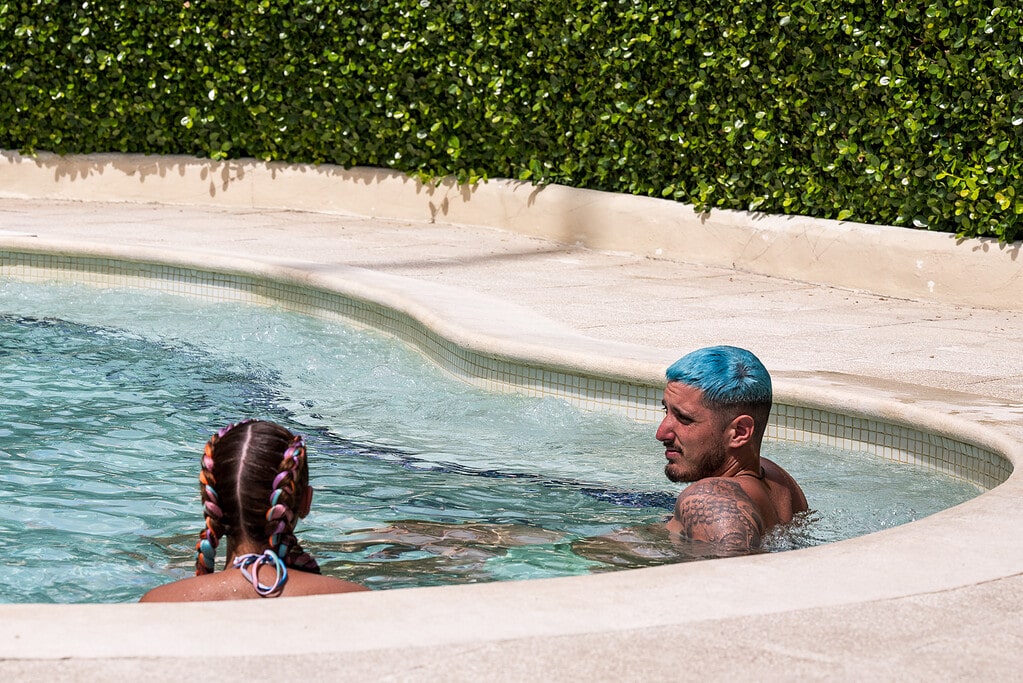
[{"x": 255, "y": 487}]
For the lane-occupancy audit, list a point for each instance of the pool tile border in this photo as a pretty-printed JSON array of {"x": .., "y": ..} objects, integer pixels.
[{"x": 640, "y": 401}]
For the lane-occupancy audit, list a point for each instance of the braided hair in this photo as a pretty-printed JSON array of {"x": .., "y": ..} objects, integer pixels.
[{"x": 253, "y": 477}]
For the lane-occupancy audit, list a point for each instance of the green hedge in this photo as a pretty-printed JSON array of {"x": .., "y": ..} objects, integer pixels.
[{"x": 899, "y": 113}]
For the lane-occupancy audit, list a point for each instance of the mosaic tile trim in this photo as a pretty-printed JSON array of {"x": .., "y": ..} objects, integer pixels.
[
  {"x": 890, "y": 441},
  {"x": 639, "y": 402}
]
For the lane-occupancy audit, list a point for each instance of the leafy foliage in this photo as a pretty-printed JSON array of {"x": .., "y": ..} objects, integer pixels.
[{"x": 880, "y": 112}]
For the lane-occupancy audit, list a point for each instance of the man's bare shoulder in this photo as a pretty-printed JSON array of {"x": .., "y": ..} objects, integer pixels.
[
  {"x": 795, "y": 501},
  {"x": 717, "y": 510}
]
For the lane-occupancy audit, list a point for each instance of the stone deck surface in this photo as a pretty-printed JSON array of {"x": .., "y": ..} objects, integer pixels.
[{"x": 972, "y": 632}]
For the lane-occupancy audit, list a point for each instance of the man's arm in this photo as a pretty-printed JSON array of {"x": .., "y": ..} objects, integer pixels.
[{"x": 717, "y": 511}]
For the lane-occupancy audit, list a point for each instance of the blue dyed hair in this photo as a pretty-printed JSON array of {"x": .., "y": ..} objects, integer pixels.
[{"x": 728, "y": 377}]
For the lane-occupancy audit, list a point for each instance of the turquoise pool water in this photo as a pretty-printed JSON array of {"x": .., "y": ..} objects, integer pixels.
[{"x": 420, "y": 480}]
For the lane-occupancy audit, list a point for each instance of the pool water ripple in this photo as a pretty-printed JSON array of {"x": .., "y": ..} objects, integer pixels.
[{"x": 420, "y": 480}]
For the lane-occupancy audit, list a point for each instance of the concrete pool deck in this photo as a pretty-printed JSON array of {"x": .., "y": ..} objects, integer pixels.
[{"x": 922, "y": 602}]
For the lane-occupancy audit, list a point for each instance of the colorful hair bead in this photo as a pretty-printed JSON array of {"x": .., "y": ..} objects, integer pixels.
[
  {"x": 209, "y": 538},
  {"x": 283, "y": 499}
]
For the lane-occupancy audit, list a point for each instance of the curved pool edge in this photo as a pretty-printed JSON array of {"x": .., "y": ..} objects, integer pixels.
[
  {"x": 905, "y": 561},
  {"x": 486, "y": 330},
  {"x": 958, "y": 548},
  {"x": 885, "y": 260}
]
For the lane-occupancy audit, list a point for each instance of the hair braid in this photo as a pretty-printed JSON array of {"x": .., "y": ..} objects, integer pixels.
[
  {"x": 209, "y": 538},
  {"x": 282, "y": 513}
]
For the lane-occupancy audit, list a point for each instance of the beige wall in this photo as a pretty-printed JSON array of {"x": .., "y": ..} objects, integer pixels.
[{"x": 883, "y": 260}]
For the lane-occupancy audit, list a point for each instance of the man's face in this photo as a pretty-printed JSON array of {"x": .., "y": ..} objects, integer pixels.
[{"x": 693, "y": 435}]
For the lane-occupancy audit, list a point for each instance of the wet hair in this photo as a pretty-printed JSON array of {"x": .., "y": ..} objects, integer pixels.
[
  {"x": 732, "y": 380},
  {"x": 252, "y": 482}
]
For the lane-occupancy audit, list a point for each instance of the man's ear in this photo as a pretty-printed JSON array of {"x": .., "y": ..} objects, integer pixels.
[{"x": 740, "y": 431}]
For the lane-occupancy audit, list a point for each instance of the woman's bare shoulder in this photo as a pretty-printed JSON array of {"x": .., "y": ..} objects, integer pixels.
[
  {"x": 187, "y": 590},
  {"x": 232, "y": 585},
  {"x": 304, "y": 583}
]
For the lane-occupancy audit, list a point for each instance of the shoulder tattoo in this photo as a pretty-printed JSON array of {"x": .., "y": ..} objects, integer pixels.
[{"x": 719, "y": 512}]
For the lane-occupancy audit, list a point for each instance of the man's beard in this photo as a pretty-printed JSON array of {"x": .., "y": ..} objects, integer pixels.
[{"x": 684, "y": 472}]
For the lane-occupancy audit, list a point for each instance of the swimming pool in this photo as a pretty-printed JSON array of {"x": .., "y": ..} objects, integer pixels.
[
  {"x": 116, "y": 390},
  {"x": 891, "y": 599}
]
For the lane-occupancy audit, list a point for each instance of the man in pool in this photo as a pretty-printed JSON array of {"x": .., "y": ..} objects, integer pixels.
[{"x": 716, "y": 404}]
